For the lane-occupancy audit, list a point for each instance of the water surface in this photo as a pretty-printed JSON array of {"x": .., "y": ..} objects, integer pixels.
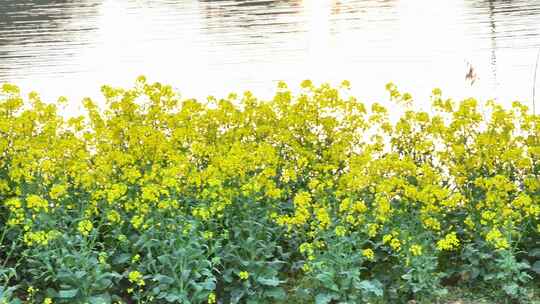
[{"x": 71, "y": 47}]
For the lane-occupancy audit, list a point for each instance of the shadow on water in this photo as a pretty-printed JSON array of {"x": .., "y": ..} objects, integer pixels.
[
  {"x": 27, "y": 21},
  {"x": 513, "y": 27},
  {"x": 41, "y": 32},
  {"x": 230, "y": 15}
]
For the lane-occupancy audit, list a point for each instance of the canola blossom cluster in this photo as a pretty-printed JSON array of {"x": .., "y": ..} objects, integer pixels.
[{"x": 312, "y": 197}]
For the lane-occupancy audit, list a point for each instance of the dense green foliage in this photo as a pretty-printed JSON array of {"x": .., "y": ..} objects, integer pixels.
[{"x": 311, "y": 198}]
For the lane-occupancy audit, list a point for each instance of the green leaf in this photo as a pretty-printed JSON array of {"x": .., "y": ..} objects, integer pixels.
[
  {"x": 101, "y": 299},
  {"x": 68, "y": 294},
  {"x": 535, "y": 252},
  {"x": 163, "y": 279},
  {"x": 327, "y": 279},
  {"x": 252, "y": 301},
  {"x": 372, "y": 286},
  {"x": 80, "y": 274},
  {"x": 324, "y": 298},
  {"x": 407, "y": 276},
  {"x": 236, "y": 295},
  {"x": 102, "y": 284},
  {"x": 536, "y": 267},
  {"x": 121, "y": 258},
  {"x": 172, "y": 297},
  {"x": 276, "y": 293},
  {"x": 511, "y": 289},
  {"x": 209, "y": 284},
  {"x": 164, "y": 259},
  {"x": 269, "y": 281}
]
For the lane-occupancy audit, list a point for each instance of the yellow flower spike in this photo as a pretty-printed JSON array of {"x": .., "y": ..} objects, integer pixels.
[
  {"x": 345, "y": 205},
  {"x": 352, "y": 220},
  {"x": 368, "y": 254},
  {"x": 360, "y": 207},
  {"x": 243, "y": 275},
  {"x": 323, "y": 217},
  {"x": 416, "y": 250},
  {"x": 211, "y": 298},
  {"x": 208, "y": 235},
  {"x": 340, "y": 231},
  {"x": 395, "y": 244},
  {"x": 137, "y": 221},
  {"x": 373, "y": 230},
  {"x": 37, "y": 203},
  {"x": 306, "y": 247},
  {"x": 102, "y": 258},
  {"x": 432, "y": 224},
  {"x": 57, "y": 191},
  {"x": 42, "y": 238},
  {"x": 306, "y": 268},
  {"x": 116, "y": 192},
  {"x": 450, "y": 242},
  {"x": 496, "y": 238},
  {"x": 387, "y": 238},
  {"x": 302, "y": 199},
  {"x": 114, "y": 217},
  {"x": 469, "y": 222},
  {"x": 85, "y": 227},
  {"x": 135, "y": 258},
  {"x": 136, "y": 278},
  {"x": 13, "y": 204},
  {"x": 150, "y": 193}
]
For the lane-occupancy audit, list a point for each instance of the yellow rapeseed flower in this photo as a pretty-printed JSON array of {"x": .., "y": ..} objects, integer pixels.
[
  {"x": 496, "y": 238},
  {"x": 212, "y": 298},
  {"x": 37, "y": 203},
  {"x": 416, "y": 250},
  {"x": 450, "y": 242},
  {"x": 368, "y": 254},
  {"x": 136, "y": 277},
  {"x": 57, "y": 191},
  {"x": 395, "y": 244},
  {"x": 85, "y": 227},
  {"x": 244, "y": 275},
  {"x": 340, "y": 231}
]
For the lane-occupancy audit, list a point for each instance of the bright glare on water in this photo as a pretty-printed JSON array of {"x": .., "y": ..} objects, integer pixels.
[{"x": 71, "y": 47}]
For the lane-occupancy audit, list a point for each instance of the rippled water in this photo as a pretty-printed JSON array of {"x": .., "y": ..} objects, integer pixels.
[{"x": 71, "y": 47}]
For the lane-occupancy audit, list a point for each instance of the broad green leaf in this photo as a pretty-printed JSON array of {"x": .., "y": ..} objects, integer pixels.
[
  {"x": 372, "y": 286},
  {"x": 324, "y": 298},
  {"x": 536, "y": 267},
  {"x": 276, "y": 293},
  {"x": 121, "y": 258},
  {"x": 101, "y": 299},
  {"x": 68, "y": 294},
  {"x": 269, "y": 281}
]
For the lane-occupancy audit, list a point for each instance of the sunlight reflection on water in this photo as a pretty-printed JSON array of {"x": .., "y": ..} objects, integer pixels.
[{"x": 213, "y": 47}]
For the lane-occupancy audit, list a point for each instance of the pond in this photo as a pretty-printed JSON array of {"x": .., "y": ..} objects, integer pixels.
[{"x": 71, "y": 47}]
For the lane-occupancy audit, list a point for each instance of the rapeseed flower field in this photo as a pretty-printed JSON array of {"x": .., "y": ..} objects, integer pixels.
[{"x": 306, "y": 198}]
